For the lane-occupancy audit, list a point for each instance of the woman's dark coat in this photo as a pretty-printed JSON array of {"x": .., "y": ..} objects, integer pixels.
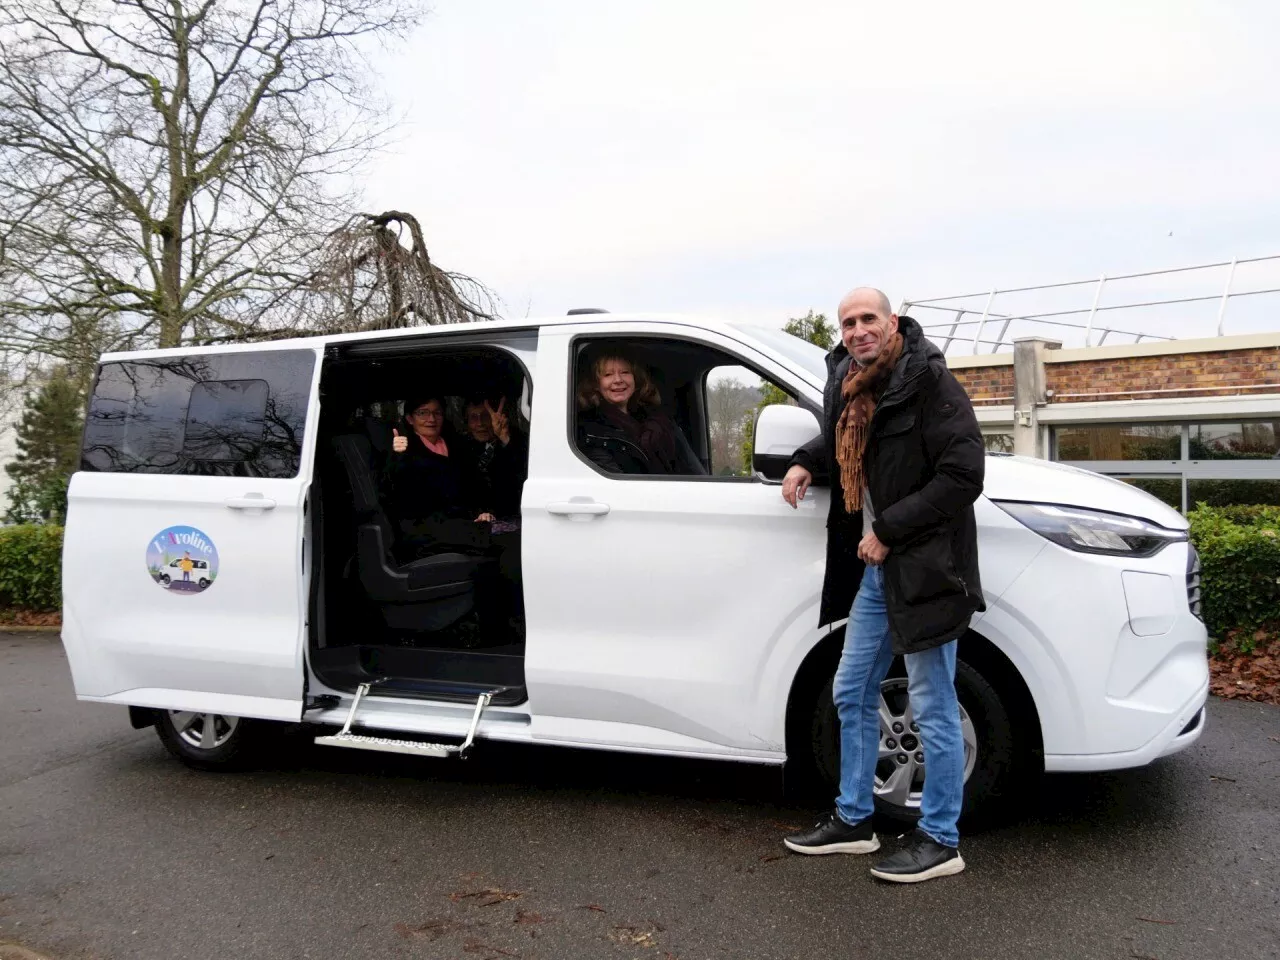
[
  {"x": 495, "y": 483},
  {"x": 609, "y": 447},
  {"x": 924, "y": 466},
  {"x": 429, "y": 498}
]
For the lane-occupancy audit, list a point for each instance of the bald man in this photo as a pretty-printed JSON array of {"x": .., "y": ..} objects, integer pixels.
[{"x": 904, "y": 457}]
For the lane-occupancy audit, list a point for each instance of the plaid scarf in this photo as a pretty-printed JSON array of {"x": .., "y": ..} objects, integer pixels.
[{"x": 859, "y": 389}]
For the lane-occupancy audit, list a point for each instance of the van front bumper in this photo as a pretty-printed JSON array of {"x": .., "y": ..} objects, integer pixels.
[{"x": 1178, "y": 734}]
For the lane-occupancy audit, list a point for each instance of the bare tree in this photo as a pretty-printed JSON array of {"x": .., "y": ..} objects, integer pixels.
[
  {"x": 367, "y": 279},
  {"x": 168, "y": 168}
]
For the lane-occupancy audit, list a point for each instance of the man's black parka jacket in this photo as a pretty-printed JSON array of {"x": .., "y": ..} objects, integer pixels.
[{"x": 924, "y": 467}]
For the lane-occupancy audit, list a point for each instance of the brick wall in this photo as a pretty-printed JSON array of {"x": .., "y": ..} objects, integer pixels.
[
  {"x": 1192, "y": 374},
  {"x": 987, "y": 385}
]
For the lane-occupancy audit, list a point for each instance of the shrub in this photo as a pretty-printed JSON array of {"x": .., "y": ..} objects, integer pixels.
[
  {"x": 31, "y": 567},
  {"x": 1240, "y": 556}
]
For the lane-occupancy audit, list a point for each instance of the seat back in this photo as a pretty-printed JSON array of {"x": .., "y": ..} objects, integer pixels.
[
  {"x": 355, "y": 454},
  {"x": 427, "y": 594}
]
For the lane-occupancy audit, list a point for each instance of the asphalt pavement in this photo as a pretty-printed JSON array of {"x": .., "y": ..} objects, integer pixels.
[{"x": 111, "y": 850}]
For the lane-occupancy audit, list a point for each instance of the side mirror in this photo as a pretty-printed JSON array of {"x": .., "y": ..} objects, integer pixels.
[{"x": 780, "y": 430}]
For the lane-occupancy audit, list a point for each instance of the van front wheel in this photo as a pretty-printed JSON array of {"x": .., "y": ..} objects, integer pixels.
[
  {"x": 990, "y": 754},
  {"x": 209, "y": 741}
]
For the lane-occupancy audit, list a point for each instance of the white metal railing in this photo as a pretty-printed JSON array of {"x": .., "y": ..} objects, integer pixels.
[{"x": 947, "y": 332}]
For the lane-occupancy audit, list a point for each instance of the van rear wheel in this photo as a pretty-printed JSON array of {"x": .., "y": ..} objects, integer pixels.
[
  {"x": 210, "y": 741},
  {"x": 990, "y": 762}
]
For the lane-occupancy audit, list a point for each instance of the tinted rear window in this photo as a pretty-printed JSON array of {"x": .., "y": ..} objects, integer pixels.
[{"x": 237, "y": 414}]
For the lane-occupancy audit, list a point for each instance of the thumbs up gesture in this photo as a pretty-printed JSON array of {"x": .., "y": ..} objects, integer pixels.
[{"x": 399, "y": 444}]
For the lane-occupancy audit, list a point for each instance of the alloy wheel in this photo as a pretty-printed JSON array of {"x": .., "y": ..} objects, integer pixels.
[
  {"x": 204, "y": 731},
  {"x": 900, "y": 769}
]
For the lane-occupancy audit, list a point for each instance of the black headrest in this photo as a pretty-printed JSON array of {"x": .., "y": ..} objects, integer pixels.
[{"x": 379, "y": 435}]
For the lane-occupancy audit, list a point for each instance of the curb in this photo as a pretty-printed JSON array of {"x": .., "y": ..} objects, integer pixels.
[{"x": 15, "y": 628}]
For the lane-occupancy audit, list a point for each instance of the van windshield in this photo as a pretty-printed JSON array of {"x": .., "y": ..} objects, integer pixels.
[{"x": 800, "y": 352}]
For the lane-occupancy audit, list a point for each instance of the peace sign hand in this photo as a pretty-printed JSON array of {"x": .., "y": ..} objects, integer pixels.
[{"x": 498, "y": 420}]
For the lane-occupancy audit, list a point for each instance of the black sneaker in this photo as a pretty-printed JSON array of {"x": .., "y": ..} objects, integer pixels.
[
  {"x": 921, "y": 858},
  {"x": 833, "y": 835}
]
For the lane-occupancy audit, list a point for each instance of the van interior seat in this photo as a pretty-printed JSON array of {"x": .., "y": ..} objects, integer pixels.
[
  {"x": 380, "y": 434},
  {"x": 424, "y": 594}
]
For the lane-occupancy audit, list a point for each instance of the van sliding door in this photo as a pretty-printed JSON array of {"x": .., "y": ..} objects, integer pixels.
[{"x": 183, "y": 585}]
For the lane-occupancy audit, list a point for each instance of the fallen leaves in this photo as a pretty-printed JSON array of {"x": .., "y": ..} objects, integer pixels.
[
  {"x": 432, "y": 930},
  {"x": 487, "y": 897},
  {"x": 30, "y": 618},
  {"x": 632, "y": 937},
  {"x": 1234, "y": 675}
]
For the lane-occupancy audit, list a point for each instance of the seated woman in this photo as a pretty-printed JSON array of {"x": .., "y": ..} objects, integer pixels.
[
  {"x": 495, "y": 458},
  {"x": 621, "y": 427},
  {"x": 432, "y": 493},
  {"x": 425, "y": 487}
]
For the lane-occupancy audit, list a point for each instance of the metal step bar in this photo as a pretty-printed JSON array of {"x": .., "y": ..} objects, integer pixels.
[{"x": 345, "y": 738}]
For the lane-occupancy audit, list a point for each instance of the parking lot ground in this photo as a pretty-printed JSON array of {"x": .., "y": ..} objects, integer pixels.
[{"x": 109, "y": 849}]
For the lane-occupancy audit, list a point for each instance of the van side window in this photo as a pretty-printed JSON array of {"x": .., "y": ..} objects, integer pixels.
[
  {"x": 233, "y": 414},
  {"x": 735, "y": 397},
  {"x": 666, "y": 407}
]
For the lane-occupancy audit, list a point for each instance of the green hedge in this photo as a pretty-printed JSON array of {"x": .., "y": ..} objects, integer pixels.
[
  {"x": 31, "y": 567},
  {"x": 1240, "y": 556}
]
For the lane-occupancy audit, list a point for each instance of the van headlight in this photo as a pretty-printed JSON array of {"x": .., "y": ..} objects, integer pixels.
[{"x": 1093, "y": 531}]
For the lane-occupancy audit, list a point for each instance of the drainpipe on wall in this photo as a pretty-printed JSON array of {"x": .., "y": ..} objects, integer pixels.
[{"x": 1029, "y": 396}]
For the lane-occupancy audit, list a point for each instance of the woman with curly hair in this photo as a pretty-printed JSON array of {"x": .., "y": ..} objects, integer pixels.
[{"x": 621, "y": 426}]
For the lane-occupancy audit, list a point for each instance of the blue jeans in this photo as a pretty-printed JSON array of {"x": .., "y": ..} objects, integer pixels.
[{"x": 931, "y": 686}]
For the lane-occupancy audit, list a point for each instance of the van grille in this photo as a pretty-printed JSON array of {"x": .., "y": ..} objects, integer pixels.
[{"x": 1193, "y": 582}]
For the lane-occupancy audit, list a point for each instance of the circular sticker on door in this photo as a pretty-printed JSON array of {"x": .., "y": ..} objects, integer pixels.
[{"x": 182, "y": 560}]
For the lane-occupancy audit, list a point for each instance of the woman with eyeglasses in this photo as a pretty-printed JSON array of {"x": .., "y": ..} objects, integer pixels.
[
  {"x": 435, "y": 498},
  {"x": 426, "y": 488}
]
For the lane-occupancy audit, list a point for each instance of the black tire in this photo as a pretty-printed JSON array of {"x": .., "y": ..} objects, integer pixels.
[
  {"x": 164, "y": 579},
  {"x": 995, "y": 770},
  {"x": 240, "y": 750}
]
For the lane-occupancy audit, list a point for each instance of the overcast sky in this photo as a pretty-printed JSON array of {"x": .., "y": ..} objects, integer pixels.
[{"x": 758, "y": 159}]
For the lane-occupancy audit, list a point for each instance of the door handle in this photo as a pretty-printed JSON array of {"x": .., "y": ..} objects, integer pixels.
[
  {"x": 250, "y": 501},
  {"x": 577, "y": 508}
]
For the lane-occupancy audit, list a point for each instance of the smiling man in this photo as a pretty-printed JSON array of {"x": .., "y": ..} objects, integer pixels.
[{"x": 904, "y": 454}]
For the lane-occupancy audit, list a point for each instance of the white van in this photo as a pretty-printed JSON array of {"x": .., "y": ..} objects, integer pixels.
[{"x": 663, "y": 615}]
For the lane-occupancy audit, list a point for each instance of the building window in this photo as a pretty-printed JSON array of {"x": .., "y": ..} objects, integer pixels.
[
  {"x": 998, "y": 442},
  {"x": 1259, "y": 440},
  {"x": 1215, "y": 463},
  {"x": 1119, "y": 441}
]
